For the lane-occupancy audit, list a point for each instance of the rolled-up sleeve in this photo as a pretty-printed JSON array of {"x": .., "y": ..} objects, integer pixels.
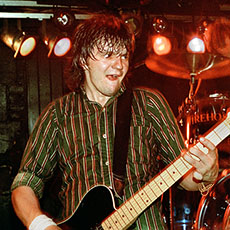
[{"x": 40, "y": 155}]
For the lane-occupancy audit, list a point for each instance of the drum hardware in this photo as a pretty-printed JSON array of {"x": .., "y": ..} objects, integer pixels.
[
  {"x": 183, "y": 65},
  {"x": 214, "y": 209},
  {"x": 188, "y": 107},
  {"x": 198, "y": 63},
  {"x": 189, "y": 103}
]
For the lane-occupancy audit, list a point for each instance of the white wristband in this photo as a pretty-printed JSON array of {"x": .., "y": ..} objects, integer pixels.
[{"x": 41, "y": 223}]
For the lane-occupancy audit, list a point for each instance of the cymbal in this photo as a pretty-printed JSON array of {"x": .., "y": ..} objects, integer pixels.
[{"x": 188, "y": 65}]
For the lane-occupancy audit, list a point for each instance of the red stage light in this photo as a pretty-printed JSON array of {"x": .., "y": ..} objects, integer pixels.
[{"x": 161, "y": 45}]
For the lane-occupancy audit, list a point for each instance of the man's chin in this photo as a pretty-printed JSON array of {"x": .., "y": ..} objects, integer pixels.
[{"x": 112, "y": 92}]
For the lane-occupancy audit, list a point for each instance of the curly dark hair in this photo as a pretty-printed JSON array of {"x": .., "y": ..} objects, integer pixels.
[{"x": 98, "y": 31}]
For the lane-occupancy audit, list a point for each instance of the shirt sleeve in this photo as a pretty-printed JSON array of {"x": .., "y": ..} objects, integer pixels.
[
  {"x": 39, "y": 158},
  {"x": 167, "y": 132}
]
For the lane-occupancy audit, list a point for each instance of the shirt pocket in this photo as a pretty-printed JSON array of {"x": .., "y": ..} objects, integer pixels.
[{"x": 141, "y": 141}]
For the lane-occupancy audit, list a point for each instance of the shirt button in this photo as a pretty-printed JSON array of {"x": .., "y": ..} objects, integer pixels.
[
  {"x": 107, "y": 163},
  {"x": 104, "y": 136}
]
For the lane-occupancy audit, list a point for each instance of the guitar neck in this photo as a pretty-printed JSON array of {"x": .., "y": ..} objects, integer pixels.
[{"x": 127, "y": 213}]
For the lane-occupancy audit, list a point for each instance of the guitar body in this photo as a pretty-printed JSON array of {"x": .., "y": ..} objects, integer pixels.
[{"x": 96, "y": 205}]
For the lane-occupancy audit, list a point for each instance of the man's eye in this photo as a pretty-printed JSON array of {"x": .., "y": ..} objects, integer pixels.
[
  {"x": 125, "y": 56},
  {"x": 107, "y": 55}
]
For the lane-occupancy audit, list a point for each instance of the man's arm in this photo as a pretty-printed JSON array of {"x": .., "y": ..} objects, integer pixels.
[{"x": 27, "y": 206}]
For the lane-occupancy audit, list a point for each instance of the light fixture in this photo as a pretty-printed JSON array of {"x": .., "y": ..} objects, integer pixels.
[
  {"x": 202, "y": 26},
  {"x": 161, "y": 44},
  {"x": 134, "y": 21},
  {"x": 64, "y": 19},
  {"x": 159, "y": 24},
  {"x": 17, "y": 39},
  {"x": 134, "y": 24},
  {"x": 196, "y": 45},
  {"x": 57, "y": 41},
  {"x": 62, "y": 46}
]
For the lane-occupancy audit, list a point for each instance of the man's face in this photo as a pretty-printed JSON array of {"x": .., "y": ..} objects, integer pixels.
[{"x": 105, "y": 72}]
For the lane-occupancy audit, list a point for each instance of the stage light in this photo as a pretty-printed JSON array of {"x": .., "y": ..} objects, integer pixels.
[
  {"x": 27, "y": 46},
  {"x": 18, "y": 41},
  {"x": 62, "y": 47},
  {"x": 64, "y": 19},
  {"x": 57, "y": 42},
  {"x": 202, "y": 26},
  {"x": 161, "y": 45},
  {"x": 134, "y": 24},
  {"x": 134, "y": 21},
  {"x": 196, "y": 45},
  {"x": 159, "y": 24}
]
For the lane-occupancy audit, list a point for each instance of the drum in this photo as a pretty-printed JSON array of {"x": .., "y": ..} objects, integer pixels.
[
  {"x": 198, "y": 117},
  {"x": 185, "y": 204},
  {"x": 213, "y": 211},
  {"x": 226, "y": 221}
]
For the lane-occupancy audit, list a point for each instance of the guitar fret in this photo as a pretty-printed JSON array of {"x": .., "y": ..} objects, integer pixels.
[
  {"x": 131, "y": 209},
  {"x": 167, "y": 178},
  {"x": 141, "y": 200},
  {"x": 125, "y": 214},
  {"x": 138, "y": 204},
  {"x": 161, "y": 184},
  {"x": 119, "y": 218},
  {"x": 227, "y": 122},
  {"x": 148, "y": 190},
  {"x": 214, "y": 138},
  {"x": 220, "y": 132},
  {"x": 182, "y": 165},
  {"x": 173, "y": 172},
  {"x": 116, "y": 221},
  {"x": 145, "y": 197},
  {"x": 156, "y": 188},
  {"x": 106, "y": 224}
]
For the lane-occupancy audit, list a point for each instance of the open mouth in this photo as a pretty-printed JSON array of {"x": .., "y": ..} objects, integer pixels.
[{"x": 112, "y": 77}]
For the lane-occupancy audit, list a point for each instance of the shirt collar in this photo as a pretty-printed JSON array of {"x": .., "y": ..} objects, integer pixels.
[{"x": 120, "y": 92}]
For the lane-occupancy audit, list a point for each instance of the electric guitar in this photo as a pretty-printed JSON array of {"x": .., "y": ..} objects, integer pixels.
[{"x": 98, "y": 210}]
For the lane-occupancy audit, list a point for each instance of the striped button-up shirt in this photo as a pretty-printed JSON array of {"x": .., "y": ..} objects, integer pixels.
[{"x": 78, "y": 135}]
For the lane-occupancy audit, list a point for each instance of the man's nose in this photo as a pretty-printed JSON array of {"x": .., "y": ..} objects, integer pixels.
[{"x": 118, "y": 63}]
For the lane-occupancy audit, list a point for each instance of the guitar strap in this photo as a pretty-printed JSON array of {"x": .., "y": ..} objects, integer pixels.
[{"x": 121, "y": 141}]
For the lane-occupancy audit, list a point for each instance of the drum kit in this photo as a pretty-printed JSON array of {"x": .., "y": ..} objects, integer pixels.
[{"x": 196, "y": 116}]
